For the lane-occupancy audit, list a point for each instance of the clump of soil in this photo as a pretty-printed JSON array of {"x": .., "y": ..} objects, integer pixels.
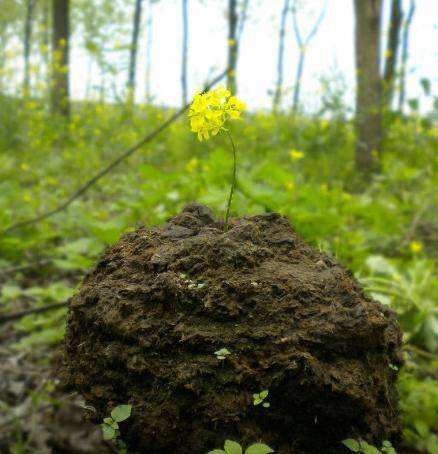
[{"x": 148, "y": 319}]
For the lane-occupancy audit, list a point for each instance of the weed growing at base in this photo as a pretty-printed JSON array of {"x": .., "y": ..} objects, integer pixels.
[{"x": 232, "y": 447}]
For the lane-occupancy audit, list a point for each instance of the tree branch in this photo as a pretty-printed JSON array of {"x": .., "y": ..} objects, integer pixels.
[
  {"x": 295, "y": 24},
  {"x": 84, "y": 188},
  {"x": 36, "y": 310},
  {"x": 317, "y": 24},
  {"x": 16, "y": 269},
  {"x": 242, "y": 20}
]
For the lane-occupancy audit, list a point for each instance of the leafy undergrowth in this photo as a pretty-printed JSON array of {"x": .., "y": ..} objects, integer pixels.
[{"x": 303, "y": 168}]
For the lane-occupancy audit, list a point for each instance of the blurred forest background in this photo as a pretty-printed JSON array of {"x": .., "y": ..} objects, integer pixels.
[{"x": 358, "y": 181}]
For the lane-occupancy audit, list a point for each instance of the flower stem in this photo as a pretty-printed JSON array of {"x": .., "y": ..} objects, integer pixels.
[{"x": 233, "y": 181}]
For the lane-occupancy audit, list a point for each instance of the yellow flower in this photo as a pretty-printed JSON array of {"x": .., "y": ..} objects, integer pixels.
[
  {"x": 31, "y": 105},
  {"x": 324, "y": 124},
  {"x": 231, "y": 42},
  {"x": 289, "y": 185},
  {"x": 209, "y": 112},
  {"x": 191, "y": 165},
  {"x": 416, "y": 246},
  {"x": 234, "y": 107},
  {"x": 295, "y": 155}
]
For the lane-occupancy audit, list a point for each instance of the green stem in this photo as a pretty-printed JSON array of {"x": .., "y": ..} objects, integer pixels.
[{"x": 233, "y": 182}]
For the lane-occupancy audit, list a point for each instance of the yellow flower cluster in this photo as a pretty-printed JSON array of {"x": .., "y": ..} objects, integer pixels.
[
  {"x": 296, "y": 154},
  {"x": 416, "y": 246},
  {"x": 209, "y": 111}
]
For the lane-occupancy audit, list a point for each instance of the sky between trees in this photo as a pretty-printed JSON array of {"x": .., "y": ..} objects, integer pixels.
[{"x": 330, "y": 54}]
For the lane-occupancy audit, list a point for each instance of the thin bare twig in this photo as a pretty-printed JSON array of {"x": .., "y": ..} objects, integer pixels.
[
  {"x": 420, "y": 352},
  {"x": 302, "y": 44},
  {"x": 37, "y": 310},
  {"x": 16, "y": 269},
  {"x": 84, "y": 188}
]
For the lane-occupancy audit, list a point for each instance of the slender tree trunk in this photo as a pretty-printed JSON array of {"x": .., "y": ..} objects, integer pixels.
[
  {"x": 2, "y": 63},
  {"x": 232, "y": 45},
  {"x": 60, "y": 98},
  {"x": 185, "y": 45},
  {"x": 46, "y": 35},
  {"x": 368, "y": 90},
  {"x": 89, "y": 77},
  {"x": 30, "y": 6},
  {"x": 302, "y": 45},
  {"x": 404, "y": 55},
  {"x": 102, "y": 86},
  {"x": 133, "y": 50},
  {"x": 298, "y": 79},
  {"x": 392, "y": 52},
  {"x": 242, "y": 20},
  {"x": 149, "y": 24},
  {"x": 280, "y": 58}
]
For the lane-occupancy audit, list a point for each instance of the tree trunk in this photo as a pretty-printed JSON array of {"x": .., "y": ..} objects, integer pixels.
[
  {"x": 298, "y": 79},
  {"x": 392, "y": 52},
  {"x": 232, "y": 46},
  {"x": 280, "y": 57},
  {"x": 302, "y": 45},
  {"x": 185, "y": 44},
  {"x": 60, "y": 99},
  {"x": 404, "y": 55},
  {"x": 2, "y": 63},
  {"x": 133, "y": 50},
  {"x": 149, "y": 25},
  {"x": 368, "y": 90},
  {"x": 242, "y": 20},
  {"x": 30, "y": 6},
  {"x": 46, "y": 36}
]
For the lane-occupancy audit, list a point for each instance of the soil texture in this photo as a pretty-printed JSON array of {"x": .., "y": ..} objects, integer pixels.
[{"x": 145, "y": 325}]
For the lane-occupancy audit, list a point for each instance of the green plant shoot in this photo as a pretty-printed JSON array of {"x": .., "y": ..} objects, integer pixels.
[{"x": 208, "y": 113}]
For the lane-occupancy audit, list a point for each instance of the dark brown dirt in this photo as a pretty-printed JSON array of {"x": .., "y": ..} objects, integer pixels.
[{"x": 148, "y": 318}]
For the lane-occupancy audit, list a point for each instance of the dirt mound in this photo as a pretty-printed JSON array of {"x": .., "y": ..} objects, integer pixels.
[{"x": 148, "y": 319}]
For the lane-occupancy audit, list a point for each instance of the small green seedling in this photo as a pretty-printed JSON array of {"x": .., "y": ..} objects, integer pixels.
[
  {"x": 232, "y": 447},
  {"x": 259, "y": 398},
  {"x": 222, "y": 353},
  {"x": 388, "y": 448},
  {"x": 363, "y": 447},
  {"x": 110, "y": 425}
]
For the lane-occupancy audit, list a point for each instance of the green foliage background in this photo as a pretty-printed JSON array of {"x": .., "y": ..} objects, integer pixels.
[{"x": 384, "y": 230}]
